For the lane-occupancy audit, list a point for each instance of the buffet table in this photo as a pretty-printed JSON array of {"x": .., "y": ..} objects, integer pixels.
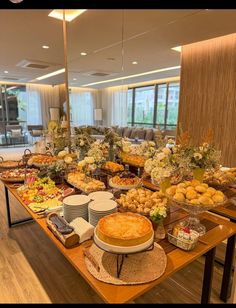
[{"x": 218, "y": 230}]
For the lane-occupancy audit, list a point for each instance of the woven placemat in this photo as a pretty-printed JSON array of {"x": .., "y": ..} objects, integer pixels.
[{"x": 137, "y": 268}]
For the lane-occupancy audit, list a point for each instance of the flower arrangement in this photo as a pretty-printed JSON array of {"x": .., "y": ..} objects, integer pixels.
[
  {"x": 55, "y": 171},
  {"x": 158, "y": 213},
  {"x": 87, "y": 165},
  {"x": 83, "y": 140}
]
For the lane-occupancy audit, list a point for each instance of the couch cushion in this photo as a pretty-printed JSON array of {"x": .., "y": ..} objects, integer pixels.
[
  {"x": 16, "y": 133},
  {"x": 127, "y": 132},
  {"x": 149, "y": 134},
  {"x": 37, "y": 132},
  {"x": 120, "y": 131},
  {"x": 138, "y": 133}
]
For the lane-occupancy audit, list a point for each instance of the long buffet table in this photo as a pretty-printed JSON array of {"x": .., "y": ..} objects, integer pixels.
[{"x": 218, "y": 230}]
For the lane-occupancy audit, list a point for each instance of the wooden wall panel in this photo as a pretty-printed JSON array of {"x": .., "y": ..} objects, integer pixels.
[{"x": 208, "y": 93}]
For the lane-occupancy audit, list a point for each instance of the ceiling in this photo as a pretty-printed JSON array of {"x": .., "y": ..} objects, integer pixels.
[{"x": 113, "y": 39}]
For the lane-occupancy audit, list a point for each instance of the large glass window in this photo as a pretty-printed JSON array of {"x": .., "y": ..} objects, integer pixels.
[{"x": 154, "y": 105}]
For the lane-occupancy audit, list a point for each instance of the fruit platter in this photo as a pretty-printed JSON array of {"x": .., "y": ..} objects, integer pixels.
[
  {"x": 40, "y": 195},
  {"x": 18, "y": 175}
]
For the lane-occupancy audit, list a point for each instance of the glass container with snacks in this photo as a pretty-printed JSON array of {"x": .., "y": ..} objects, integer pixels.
[
  {"x": 195, "y": 198},
  {"x": 183, "y": 237}
]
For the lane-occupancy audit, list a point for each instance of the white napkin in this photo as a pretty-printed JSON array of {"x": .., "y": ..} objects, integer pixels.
[{"x": 83, "y": 228}]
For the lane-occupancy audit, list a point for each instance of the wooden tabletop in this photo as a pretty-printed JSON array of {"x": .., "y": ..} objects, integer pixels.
[{"x": 176, "y": 258}]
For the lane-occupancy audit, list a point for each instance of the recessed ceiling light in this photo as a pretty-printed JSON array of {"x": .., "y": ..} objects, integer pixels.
[
  {"x": 177, "y": 48},
  {"x": 69, "y": 14},
  {"x": 134, "y": 62},
  {"x": 45, "y": 46},
  {"x": 74, "y": 78},
  {"x": 16, "y": 1},
  {"x": 83, "y": 53},
  {"x": 6, "y": 72},
  {"x": 51, "y": 74},
  {"x": 135, "y": 75}
]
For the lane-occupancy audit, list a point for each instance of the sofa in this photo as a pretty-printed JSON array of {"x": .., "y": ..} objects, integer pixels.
[{"x": 132, "y": 133}]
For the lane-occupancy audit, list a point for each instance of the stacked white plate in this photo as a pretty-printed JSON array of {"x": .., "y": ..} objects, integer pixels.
[
  {"x": 75, "y": 206},
  {"x": 101, "y": 195},
  {"x": 99, "y": 209}
]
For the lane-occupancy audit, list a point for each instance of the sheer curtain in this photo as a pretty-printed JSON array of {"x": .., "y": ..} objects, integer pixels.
[
  {"x": 39, "y": 99},
  {"x": 82, "y": 104},
  {"x": 114, "y": 104}
]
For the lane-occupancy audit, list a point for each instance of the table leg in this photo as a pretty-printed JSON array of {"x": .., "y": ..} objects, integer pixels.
[
  {"x": 208, "y": 274},
  {"x": 9, "y": 221},
  {"x": 228, "y": 266}
]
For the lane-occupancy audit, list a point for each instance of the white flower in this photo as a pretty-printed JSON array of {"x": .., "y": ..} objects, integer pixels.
[
  {"x": 68, "y": 159},
  {"x": 62, "y": 154},
  {"x": 81, "y": 143},
  {"x": 166, "y": 151},
  {"x": 89, "y": 160},
  {"x": 82, "y": 163},
  {"x": 151, "y": 144},
  {"x": 160, "y": 156},
  {"x": 197, "y": 156}
]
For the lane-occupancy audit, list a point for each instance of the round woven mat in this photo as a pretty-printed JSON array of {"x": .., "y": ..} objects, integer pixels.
[{"x": 137, "y": 268}]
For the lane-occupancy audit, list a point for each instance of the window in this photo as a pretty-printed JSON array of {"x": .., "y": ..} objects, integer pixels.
[{"x": 154, "y": 105}]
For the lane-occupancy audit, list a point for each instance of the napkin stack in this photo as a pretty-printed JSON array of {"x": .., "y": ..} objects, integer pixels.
[{"x": 83, "y": 228}]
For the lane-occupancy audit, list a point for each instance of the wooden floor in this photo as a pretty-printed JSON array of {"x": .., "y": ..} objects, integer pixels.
[{"x": 32, "y": 270}]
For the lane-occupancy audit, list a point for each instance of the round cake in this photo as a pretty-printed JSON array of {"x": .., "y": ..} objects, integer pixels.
[{"x": 124, "y": 229}]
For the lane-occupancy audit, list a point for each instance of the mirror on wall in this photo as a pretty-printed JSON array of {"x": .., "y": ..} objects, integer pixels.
[
  {"x": 126, "y": 63},
  {"x": 31, "y": 55}
]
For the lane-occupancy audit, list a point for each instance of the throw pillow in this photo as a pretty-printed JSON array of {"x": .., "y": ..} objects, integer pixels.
[
  {"x": 16, "y": 132},
  {"x": 127, "y": 132},
  {"x": 149, "y": 134},
  {"x": 36, "y": 132}
]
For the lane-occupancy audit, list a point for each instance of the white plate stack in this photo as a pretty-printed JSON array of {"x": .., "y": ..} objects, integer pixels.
[
  {"x": 99, "y": 209},
  {"x": 101, "y": 195},
  {"x": 75, "y": 206}
]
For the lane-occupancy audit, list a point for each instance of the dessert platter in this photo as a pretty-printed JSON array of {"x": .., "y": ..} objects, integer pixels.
[
  {"x": 125, "y": 180},
  {"x": 195, "y": 198},
  {"x": 113, "y": 167},
  {"x": 133, "y": 160},
  {"x": 124, "y": 233},
  {"x": 84, "y": 183},
  {"x": 141, "y": 201},
  {"x": 42, "y": 160},
  {"x": 17, "y": 175}
]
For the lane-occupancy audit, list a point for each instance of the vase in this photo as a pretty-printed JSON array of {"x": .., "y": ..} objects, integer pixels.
[
  {"x": 111, "y": 153},
  {"x": 159, "y": 232},
  {"x": 82, "y": 153},
  {"x": 164, "y": 184},
  {"x": 198, "y": 174}
]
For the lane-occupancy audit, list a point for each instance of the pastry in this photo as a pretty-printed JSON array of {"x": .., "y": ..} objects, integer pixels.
[
  {"x": 84, "y": 183},
  {"x": 195, "y": 193},
  {"x": 113, "y": 167},
  {"x": 124, "y": 229},
  {"x": 142, "y": 201},
  {"x": 134, "y": 160},
  {"x": 125, "y": 180}
]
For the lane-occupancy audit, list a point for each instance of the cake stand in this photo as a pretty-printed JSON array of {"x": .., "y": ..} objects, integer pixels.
[
  {"x": 194, "y": 211},
  {"x": 122, "y": 251}
]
